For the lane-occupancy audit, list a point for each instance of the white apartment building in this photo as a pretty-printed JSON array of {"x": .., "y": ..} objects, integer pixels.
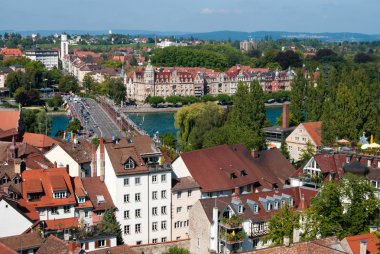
[
  {"x": 48, "y": 57},
  {"x": 139, "y": 185}
]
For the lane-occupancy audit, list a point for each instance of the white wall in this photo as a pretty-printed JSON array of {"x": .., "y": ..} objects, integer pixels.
[
  {"x": 45, "y": 213},
  {"x": 91, "y": 244},
  {"x": 179, "y": 168},
  {"x": 11, "y": 221},
  {"x": 59, "y": 156}
]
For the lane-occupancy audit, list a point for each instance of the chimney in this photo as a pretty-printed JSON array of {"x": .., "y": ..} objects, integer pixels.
[
  {"x": 285, "y": 116},
  {"x": 363, "y": 247},
  {"x": 296, "y": 235},
  {"x": 215, "y": 214},
  {"x": 302, "y": 205},
  {"x": 101, "y": 159},
  {"x": 286, "y": 241},
  {"x": 372, "y": 229},
  {"x": 93, "y": 162},
  {"x": 254, "y": 153},
  {"x": 236, "y": 191},
  {"x": 72, "y": 247},
  {"x": 17, "y": 166}
]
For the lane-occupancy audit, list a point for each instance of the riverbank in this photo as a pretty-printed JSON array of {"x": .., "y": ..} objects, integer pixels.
[{"x": 148, "y": 109}]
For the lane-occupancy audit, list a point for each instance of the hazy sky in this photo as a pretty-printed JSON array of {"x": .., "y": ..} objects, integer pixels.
[{"x": 193, "y": 16}]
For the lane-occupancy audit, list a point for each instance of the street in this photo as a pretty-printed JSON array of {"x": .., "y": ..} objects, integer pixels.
[{"x": 93, "y": 118}]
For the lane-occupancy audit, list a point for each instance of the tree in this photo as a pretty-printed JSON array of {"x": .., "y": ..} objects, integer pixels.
[
  {"x": 15, "y": 80},
  {"x": 133, "y": 61},
  {"x": 362, "y": 58},
  {"x": 68, "y": 83},
  {"x": 287, "y": 59},
  {"x": 282, "y": 223},
  {"x": 43, "y": 123},
  {"x": 21, "y": 96},
  {"x": 88, "y": 82},
  {"x": 74, "y": 126},
  {"x": 297, "y": 97},
  {"x": 33, "y": 97},
  {"x": 168, "y": 139},
  {"x": 109, "y": 225},
  {"x": 173, "y": 99},
  {"x": 284, "y": 149},
  {"x": 155, "y": 100},
  {"x": 95, "y": 142},
  {"x": 176, "y": 250},
  {"x": 116, "y": 89},
  {"x": 307, "y": 153},
  {"x": 224, "y": 99},
  {"x": 328, "y": 123}
]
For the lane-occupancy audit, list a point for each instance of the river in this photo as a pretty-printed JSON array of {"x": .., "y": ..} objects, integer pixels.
[
  {"x": 58, "y": 122},
  {"x": 164, "y": 122}
]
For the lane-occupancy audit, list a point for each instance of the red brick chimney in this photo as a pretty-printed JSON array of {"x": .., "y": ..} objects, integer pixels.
[
  {"x": 285, "y": 116},
  {"x": 101, "y": 159},
  {"x": 302, "y": 205},
  {"x": 72, "y": 247},
  {"x": 93, "y": 162},
  {"x": 255, "y": 153},
  {"x": 236, "y": 192}
]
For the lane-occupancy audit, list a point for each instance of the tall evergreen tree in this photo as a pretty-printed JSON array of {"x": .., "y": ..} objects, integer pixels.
[
  {"x": 328, "y": 123},
  {"x": 297, "y": 96},
  {"x": 110, "y": 225}
]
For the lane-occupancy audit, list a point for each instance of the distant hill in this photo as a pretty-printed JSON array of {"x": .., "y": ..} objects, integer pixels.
[{"x": 219, "y": 35}]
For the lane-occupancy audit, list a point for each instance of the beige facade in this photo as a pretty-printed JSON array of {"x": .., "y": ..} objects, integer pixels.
[
  {"x": 199, "y": 231},
  {"x": 297, "y": 140},
  {"x": 182, "y": 202}
]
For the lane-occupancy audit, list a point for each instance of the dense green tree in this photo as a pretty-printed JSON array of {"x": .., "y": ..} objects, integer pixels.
[
  {"x": 224, "y": 99},
  {"x": 168, "y": 139},
  {"x": 297, "y": 97},
  {"x": 116, "y": 89},
  {"x": 282, "y": 224},
  {"x": 112, "y": 64},
  {"x": 173, "y": 99},
  {"x": 36, "y": 121},
  {"x": 33, "y": 97},
  {"x": 15, "y": 80},
  {"x": 155, "y": 100},
  {"x": 88, "y": 82},
  {"x": 68, "y": 83},
  {"x": 109, "y": 225},
  {"x": 176, "y": 250},
  {"x": 307, "y": 153},
  {"x": 208, "y": 97},
  {"x": 362, "y": 58},
  {"x": 292, "y": 120},
  {"x": 74, "y": 126},
  {"x": 284, "y": 150},
  {"x": 288, "y": 58},
  {"x": 21, "y": 96},
  {"x": 43, "y": 123},
  {"x": 328, "y": 123},
  {"x": 56, "y": 101}
]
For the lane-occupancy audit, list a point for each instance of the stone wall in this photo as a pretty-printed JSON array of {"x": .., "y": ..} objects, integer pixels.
[{"x": 159, "y": 248}]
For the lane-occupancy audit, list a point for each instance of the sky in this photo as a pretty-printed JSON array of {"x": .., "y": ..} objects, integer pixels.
[{"x": 193, "y": 16}]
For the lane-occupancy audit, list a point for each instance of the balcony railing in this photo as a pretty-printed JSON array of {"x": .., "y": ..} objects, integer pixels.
[
  {"x": 256, "y": 233},
  {"x": 231, "y": 223}
]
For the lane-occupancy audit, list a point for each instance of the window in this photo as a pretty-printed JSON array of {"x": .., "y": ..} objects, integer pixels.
[
  {"x": 154, "y": 211},
  {"x": 163, "y": 194},
  {"x": 60, "y": 194},
  {"x": 179, "y": 194},
  {"x": 198, "y": 242},
  {"x": 240, "y": 209},
  {"x": 127, "y": 230},
  {"x": 154, "y": 195},
  {"x": 138, "y": 228},
  {"x": 86, "y": 214},
  {"x": 369, "y": 162},
  {"x": 178, "y": 238},
  {"x": 189, "y": 207},
  {"x": 290, "y": 148},
  {"x": 138, "y": 242},
  {"x": 179, "y": 209},
  {"x": 276, "y": 205},
  {"x": 81, "y": 200},
  {"x": 98, "y": 213},
  {"x": 129, "y": 164},
  {"x": 154, "y": 240},
  {"x": 126, "y": 198},
  {"x": 189, "y": 193},
  {"x": 54, "y": 210},
  {"x": 101, "y": 243},
  {"x": 154, "y": 179},
  {"x": 138, "y": 213},
  {"x": 66, "y": 209},
  {"x": 137, "y": 180},
  {"x": 126, "y": 181},
  {"x": 137, "y": 197},
  {"x": 154, "y": 226},
  {"x": 291, "y": 202},
  {"x": 269, "y": 206},
  {"x": 163, "y": 239},
  {"x": 163, "y": 178},
  {"x": 163, "y": 225},
  {"x": 163, "y": 210},
  {"x": 126, "y": 214},
  {"x": 297, "y": 138}
]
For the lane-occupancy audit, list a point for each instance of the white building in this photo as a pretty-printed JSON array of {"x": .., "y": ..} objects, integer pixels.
[
  {"x": 46, "y": 56},
  {"x": 11, "y": 213},
  {"x": 64, "y": 47},
  {"x": 139, "y": 185}
]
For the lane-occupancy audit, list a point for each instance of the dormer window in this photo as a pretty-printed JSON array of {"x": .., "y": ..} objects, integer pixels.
[
  {"x": 240, "y": 209},
  {"x": 81, "y": 200},
  {"x": 232, "y": 176},
  {"x": 256, "y": 208},
  {"x": 243, "y": 173},
  {"x": 269, "y": 206},
  {"x": 60, "y": 194},
  {"x": 276, "y": 205},
  {"x": 129, "y": 164}
]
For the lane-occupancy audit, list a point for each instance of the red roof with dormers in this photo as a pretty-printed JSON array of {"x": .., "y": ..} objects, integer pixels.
[{"x": 50, "y": 179}]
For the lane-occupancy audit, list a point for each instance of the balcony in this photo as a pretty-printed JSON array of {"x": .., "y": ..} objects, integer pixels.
[
  {"x": 256, "y": 233},
  {"x": 231, "y": 223},
  {"x": 232, "y": 237}
]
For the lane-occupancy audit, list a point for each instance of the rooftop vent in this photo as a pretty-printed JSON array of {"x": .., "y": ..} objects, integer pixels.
[{"x": 100, "y": 198}]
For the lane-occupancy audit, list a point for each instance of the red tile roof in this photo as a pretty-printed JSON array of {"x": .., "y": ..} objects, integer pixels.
[
  {"x": 226, "y": 163},
  {"x": 33, "y": 178},
  {"x": 38, "y": 140},
  {"x": 61, "y": 223},
  {"x": 6, "y": 250},
  {"x": 314, "y": 130},
  {"x": 94, "y": 188},
  {"x": 23, "y": 242},
  {"x": 81, "y": 192},
  {"x": 9, "y": 119},
  {"x": 11, "y": 52},
  {"x": 372, "y": 242},
  {"x": 56, "y": 246}
]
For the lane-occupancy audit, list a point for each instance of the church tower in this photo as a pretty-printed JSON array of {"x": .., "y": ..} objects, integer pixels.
[
  {"x": 149, "y": 79},
  {"x": 64, "y": 46}
]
